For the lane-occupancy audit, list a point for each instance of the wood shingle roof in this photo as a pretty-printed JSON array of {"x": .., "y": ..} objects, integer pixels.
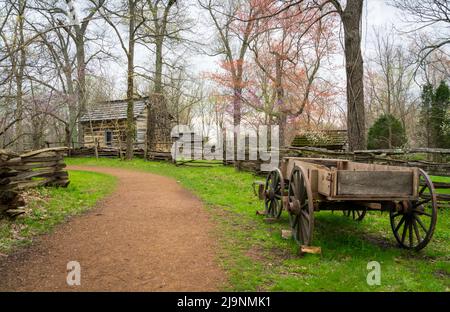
[
  {"x": 330, "y": 139},
  {"x": 113, "y": 110}
]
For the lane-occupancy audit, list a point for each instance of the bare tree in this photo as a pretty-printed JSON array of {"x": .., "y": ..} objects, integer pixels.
[
  {"x": 234, "y": 23},
  {"x": 421, "y": 14},
  {"x": 390, "y": 82},
  {"x": 159, "y": 29},
  {"x": 132, "y": 14}
]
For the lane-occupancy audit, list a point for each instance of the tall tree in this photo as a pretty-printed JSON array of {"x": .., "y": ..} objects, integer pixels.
[
  {"x": 134, "y": 22},
  {"x": 234, "y": 24},
  {"x": 289, "y": 49},
  {"x": 19, "y": 73},
  {"x": 434, "y": 114},
  {"x": 439, "y": 112},
  {"x": 390, "y": 78},
  {"x": 77, "y": 30},
  {"x": 351, "y": 17},
  {"x": 160, "y": 32}
]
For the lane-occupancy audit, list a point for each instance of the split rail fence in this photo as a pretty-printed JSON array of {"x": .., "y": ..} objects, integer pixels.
[{"x": 43, "y": 167}]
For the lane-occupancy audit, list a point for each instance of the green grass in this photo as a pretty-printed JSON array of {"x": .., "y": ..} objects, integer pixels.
[
  {"x": 255, "y": 256},
  {"x": 52, "y": 206}
]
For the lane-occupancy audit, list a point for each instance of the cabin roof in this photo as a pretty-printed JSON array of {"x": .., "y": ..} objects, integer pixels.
[
  {"x": 113, "y": 110},
  {"x": 331, "y": 139}
]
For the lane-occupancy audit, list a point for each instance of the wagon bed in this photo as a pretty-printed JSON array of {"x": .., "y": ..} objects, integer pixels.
[{"x": 338, "y": 179}]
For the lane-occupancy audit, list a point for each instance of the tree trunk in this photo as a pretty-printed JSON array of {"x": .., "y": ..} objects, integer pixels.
[
  {"x": 19, "y": 79},
  {"x": 351, "y": 19},
  {"x": 236, "y": 123},
  {"x": 130, "y": 83},
  {"x": 157, "y": 99},
  {"x": 81, "y": 83},
  {"x": 72, "y": 108},
  {"x": 282, "y": 119}
]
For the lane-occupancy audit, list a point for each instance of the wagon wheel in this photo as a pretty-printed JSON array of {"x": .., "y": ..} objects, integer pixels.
[
  {"x": 274, "y": 189},
  {"x": 355, "y": 214},
  {"x": 413, "y": 221},
  {"x": 300, "y": 206}
]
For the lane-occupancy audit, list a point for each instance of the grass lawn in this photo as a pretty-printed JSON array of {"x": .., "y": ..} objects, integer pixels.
[
  {"x": 256, "y": 257},
  {"x": 49, "y": 206}
]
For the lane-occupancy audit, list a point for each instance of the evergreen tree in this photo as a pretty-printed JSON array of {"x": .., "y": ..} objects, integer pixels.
[
  {"x": 425, "y": 114},
  {"x": 386, "y": 132},
  {"x": 435, "y": 115},
  {"x": 439, "y": 114}
]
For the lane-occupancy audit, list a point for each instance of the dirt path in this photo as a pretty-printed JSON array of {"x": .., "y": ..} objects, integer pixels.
[{"x": 150, "y": 235}]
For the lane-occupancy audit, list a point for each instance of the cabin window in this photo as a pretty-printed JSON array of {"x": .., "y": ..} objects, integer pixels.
[{"x": 108, "y": 137}]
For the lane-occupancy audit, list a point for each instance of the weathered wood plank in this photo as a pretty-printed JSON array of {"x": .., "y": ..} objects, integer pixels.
[
  {"x": 374, "y": 183},
  {"x": 44, "y": 151}
]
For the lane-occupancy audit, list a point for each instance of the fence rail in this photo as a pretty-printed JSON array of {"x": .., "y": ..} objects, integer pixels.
[{"x": 36, "y": 168}]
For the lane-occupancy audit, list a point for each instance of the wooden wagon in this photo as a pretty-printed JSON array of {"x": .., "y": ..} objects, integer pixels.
[{"x": 302, "y": 186}]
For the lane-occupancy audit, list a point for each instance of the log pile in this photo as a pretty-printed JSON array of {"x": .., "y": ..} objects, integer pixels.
[{"x": 36, "y": 168}]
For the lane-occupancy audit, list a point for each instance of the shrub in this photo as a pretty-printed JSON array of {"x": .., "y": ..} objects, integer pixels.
[{"x": 379, "y": 137}]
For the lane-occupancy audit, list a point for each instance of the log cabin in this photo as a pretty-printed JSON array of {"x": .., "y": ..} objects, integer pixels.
[{"x": 104, "y": 124}]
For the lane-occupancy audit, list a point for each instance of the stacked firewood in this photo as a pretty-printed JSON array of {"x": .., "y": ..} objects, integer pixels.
[{"x": 36, "y": 168}]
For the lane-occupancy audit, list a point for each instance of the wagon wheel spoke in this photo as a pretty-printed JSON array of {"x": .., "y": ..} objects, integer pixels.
[
  {"x": 416, "y": 230},
  {"x": 295, "y": 186},
  {"x": 405, "y": 227},
  {"x": 305, "y": 214},
  {"x": 295, "y": 226},
  {"x": 420, "y": 203},
  {"x": 276, "y": 207},
  {"x": 300, "y": 187},
  {"x": 423, "y": 213},
  {"x": 410, "y": 231},
  {"x": 274, "y": 181},
  {"x": 304, "y": 230},
  {"x": 273, "y": 208},
  {"x": 422, "y": 189},
  {"x": 294, "y": 220},
  {"x": 400, "y": 223},
  {"x": 417, "y": 218}
]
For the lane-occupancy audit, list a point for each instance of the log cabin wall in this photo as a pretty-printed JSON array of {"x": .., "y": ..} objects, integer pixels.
[{"x": 97, "y": 131}]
